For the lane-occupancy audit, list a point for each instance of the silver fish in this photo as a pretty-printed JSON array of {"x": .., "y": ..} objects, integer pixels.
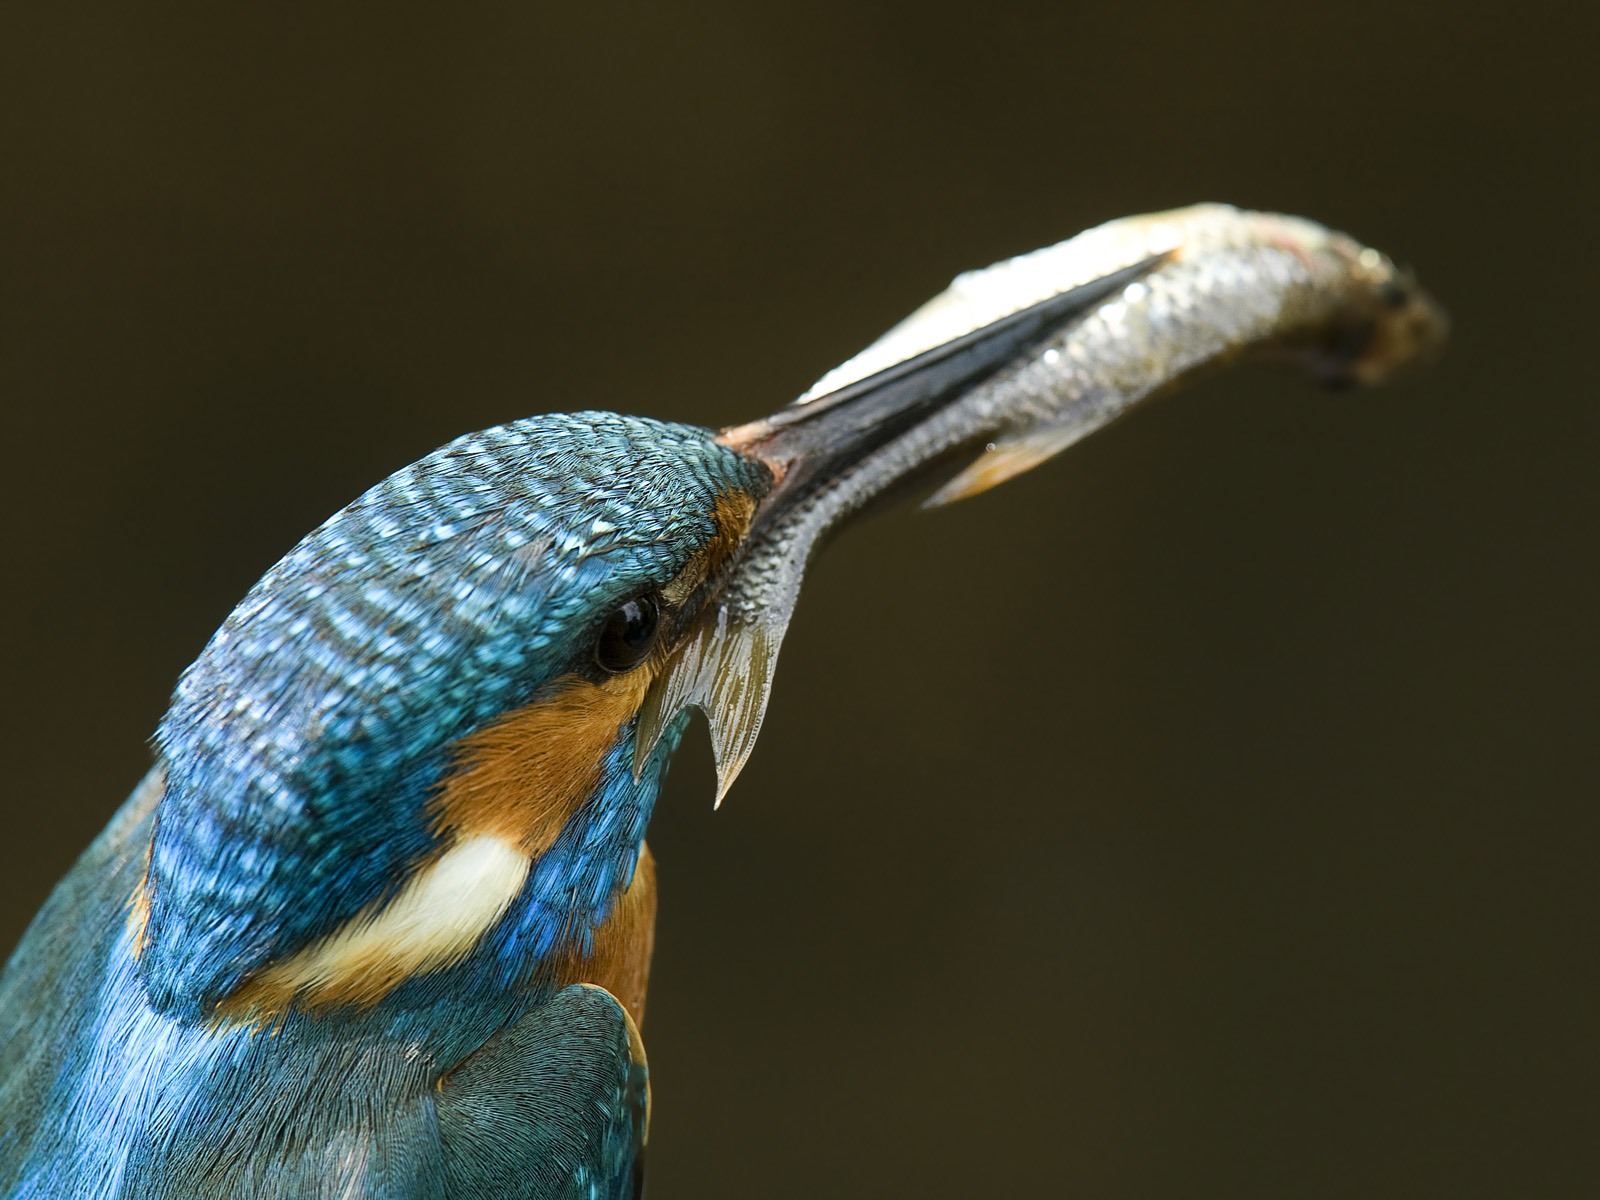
[{"x": 1013, "y": 364}]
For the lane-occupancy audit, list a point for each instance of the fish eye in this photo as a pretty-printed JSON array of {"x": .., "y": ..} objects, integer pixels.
[
  {"x": 1394, "y": 295},
  {"x": 628, "y": 634}
]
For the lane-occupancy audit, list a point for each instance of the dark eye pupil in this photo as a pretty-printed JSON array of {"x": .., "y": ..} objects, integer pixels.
[{"x": 629, "y": 633}]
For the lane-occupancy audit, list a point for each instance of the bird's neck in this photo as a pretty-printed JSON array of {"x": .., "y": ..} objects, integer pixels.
[{"x": 491, "y": 913}]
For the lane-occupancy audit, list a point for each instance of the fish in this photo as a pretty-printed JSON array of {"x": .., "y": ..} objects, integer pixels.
[{"x": 1086, "y": 329}]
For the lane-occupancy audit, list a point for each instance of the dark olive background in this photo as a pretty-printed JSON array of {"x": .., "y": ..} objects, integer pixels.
[{"x": 1211, "y": 813}]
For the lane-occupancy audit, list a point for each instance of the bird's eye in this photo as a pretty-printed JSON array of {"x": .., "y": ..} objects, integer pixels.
[{"x": 629, "y": 633}]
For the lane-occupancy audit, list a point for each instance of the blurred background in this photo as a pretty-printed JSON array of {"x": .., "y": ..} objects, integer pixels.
[{"x": 1211, "y": 813}]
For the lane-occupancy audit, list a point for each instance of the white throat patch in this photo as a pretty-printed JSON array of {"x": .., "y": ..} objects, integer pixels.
[{"x": 434, "y": 922}]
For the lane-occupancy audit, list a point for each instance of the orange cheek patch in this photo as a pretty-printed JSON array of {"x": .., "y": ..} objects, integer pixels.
[
  {"x": 523, "y": 777},
  {"x": 730, "y": 515}
]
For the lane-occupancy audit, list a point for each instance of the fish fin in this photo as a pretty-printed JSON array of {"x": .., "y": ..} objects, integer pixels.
[{"x": 1005, "y": 460}]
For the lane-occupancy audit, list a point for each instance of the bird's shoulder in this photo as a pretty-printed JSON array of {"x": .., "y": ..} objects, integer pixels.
[{"x": 554, "y": 1106}]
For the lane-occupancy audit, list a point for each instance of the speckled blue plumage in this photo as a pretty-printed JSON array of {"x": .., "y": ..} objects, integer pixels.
[
  {"x": 299, "y": 757},
  {"x": 442, "y": 598}
]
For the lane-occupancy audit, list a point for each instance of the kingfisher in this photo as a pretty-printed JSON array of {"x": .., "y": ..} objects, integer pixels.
[{"x": 378, "y": 921}]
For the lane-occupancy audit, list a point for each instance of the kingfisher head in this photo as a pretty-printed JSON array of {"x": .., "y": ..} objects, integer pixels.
[{"x": 424, "y": 716}]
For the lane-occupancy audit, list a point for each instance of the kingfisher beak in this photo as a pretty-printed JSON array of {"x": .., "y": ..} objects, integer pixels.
[
  {"x": 831, "y": 440},
  {"x": 831, "y": 453}
]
